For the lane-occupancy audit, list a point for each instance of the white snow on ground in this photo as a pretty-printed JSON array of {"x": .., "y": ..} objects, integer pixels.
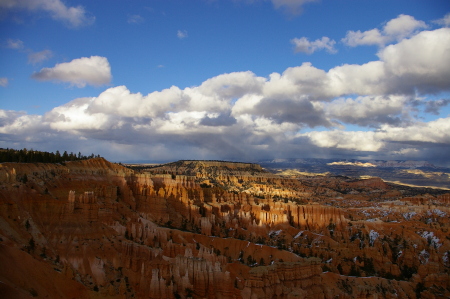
[
  {"x": 437, "y": 212},
  {"x": 424, "y": 256},
  {"x": 431, "y": 238},
  {"x": 409, "y": 215},
  {"x": 373, "y": 235},
  {"x": 299, "y": 234}
]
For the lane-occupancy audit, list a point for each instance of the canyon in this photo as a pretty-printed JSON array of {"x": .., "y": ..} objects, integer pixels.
[{"x": 215, "y": 229}]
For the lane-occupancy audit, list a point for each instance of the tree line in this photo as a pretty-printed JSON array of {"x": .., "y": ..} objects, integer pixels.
[{"x": 32, "y": 156}]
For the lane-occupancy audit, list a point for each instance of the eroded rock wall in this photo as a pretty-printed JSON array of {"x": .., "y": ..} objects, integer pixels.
[{"x": 215, "y": 230}]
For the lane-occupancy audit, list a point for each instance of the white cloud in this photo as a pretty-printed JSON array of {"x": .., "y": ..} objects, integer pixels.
[
  {"x": 14, "y": 125},
  {"x": 303, "y": 80},
  {"x": 304, "y": 45},
  {"x": 403, "y": 26},
  {"x": 182, "y": 34},
  {"x": 293, "y": 7},
  {"x": 368, "y": 111},
  {"x": 4, "y": 81},
  {"x": 434, "y": 132},
  {"x": 72, "y": 16},
  {"x": 73, "y": 117},
  {"x": 232, "y": 85},
  {"x": 369, "y": 78},
  {"x": 37, "y": 57},
  {"x": 445, "y": 21},
  {"x": 119, "y": 101},
  {"x": 16, "y": 44},
  {"x": 348, "y": 140},
  {"x": 437, "y": 131},
  {"x": 33, "y": 57},
  {"x": 369, "y": 37},
  {"x": 420, "y": 62},
  {"x": 135, "y": 19},
  {"x": 94, "y": 70}
]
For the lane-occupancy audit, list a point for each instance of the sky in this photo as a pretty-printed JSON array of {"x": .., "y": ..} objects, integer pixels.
[{"x": 239, "y": 80}]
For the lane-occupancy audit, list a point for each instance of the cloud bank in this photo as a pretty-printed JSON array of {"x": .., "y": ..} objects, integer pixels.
[{"x": 363, "y": 110}]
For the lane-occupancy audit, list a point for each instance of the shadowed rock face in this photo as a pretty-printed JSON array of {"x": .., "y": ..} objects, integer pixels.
[{"x": 209, "y": 229}]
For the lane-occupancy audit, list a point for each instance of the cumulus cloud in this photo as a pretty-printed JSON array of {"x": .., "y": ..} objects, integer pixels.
[
  {"x": 395, "y": 30},
  {"x": 4, "y": 81},
  {"x": 305, "y": 46},
  {"x": 182, "y": 34},
  {"x": 414, "y": 65},
  {"x": 349, "y": 140},
  {"x": 299, "y": 111},
  {"x": 420, "y": 62},
  {"x": 371, "y": 111},
  {"x": 72, "y": 16},
  {"x": 367, "y": 111},
  {"x": 435, "y": 132},
  {"x": 17, "y": 125},
  {"x": 94, "y": 70},
  {"x": 37, "y": 57},
  {"x": 217, "y": 120}
]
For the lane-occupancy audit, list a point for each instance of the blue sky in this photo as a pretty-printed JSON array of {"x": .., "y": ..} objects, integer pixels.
[{"x": 227, "y": 79}]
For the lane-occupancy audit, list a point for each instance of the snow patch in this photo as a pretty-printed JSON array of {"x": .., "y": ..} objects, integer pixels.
[
  {"x": 409, "y": 215},
  {"x": 445, "y": 258},
  {"x": 431, "y": 238},
  {"x": 424, "y": 256},
  {"x": 436, "y": 212},
  {"x": 299, "y": 234},
  {"x": 373, "y": 235}
]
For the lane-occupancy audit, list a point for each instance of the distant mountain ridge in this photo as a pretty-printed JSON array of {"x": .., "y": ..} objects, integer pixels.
[
  {"x": 378, "y": 163},
  {"x": 409, "y": 172}
]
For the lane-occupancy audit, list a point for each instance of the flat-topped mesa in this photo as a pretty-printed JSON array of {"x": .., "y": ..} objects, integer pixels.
[
  {"x": 195, "y": 167},
  {"x": 221, "y": 164}
]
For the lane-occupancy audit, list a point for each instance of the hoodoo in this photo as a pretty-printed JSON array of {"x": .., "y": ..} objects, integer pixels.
[{"x": 213, "y": 229}]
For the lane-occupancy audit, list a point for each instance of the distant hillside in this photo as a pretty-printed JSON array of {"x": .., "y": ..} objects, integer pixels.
[{"x": 416, "y": 173}]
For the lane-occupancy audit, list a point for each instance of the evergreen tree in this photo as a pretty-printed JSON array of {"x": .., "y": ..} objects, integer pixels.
[{"x": 32, "y": 156}]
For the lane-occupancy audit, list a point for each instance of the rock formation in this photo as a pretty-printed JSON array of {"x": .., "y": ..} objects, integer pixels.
[{"x": 211, "y": 229}]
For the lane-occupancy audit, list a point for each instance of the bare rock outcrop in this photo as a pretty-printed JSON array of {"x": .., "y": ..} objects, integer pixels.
[{"x": 211, "y": 229}]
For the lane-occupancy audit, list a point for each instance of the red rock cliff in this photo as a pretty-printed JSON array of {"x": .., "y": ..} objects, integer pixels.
[{"x": 208, "y": 229}]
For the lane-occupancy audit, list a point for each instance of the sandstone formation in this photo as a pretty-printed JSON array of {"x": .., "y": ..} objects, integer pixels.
[{"x": 211, "y": 229}]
